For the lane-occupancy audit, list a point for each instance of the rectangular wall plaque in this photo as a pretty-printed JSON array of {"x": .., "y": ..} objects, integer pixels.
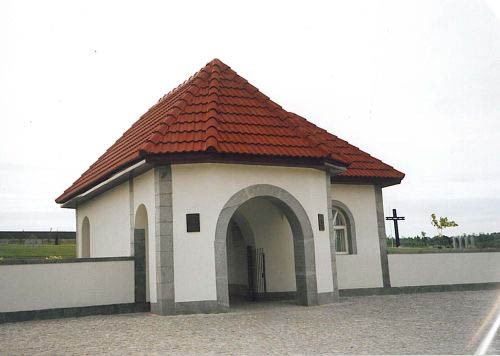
[
  {"x": 193, "y": 222},
  {"x": 321, "y": 222}
]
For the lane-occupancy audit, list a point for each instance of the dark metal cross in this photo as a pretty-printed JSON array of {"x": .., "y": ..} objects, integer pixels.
[{"x": 395, "y": 218}]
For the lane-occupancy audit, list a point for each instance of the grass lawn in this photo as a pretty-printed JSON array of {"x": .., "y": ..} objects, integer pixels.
[{"x": 13, "y": 251}]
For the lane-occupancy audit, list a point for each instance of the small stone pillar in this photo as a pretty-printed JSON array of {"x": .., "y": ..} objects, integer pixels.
[
  {"x": 140, "y": 265},
  {"x": 466, "y": 239},
  {"x": 454, "y": 239},
  {"x": 460, "y": 243},
  {"x": 472, "y": 241}
]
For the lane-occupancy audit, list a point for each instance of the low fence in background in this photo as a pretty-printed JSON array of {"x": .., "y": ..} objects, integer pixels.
[
  {"x": 37, "y": 237},
  {"x": 430, "y": 269}
]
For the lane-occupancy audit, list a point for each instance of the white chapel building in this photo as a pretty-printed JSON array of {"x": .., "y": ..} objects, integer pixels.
[{"x": 235, "y": 198}]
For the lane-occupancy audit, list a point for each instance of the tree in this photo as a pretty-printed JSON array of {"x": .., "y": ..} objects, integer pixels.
[
  {"x": 425, "y": 239},
  {"x": 443, "y": 223}
]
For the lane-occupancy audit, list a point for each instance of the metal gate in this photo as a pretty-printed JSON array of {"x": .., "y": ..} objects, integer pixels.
[{"x": 256, "y": 261}]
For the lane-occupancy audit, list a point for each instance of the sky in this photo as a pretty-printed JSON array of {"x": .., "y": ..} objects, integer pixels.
[{"x": 414, "y": 83}]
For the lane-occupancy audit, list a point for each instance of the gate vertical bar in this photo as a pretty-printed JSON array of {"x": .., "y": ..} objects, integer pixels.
[
  {"x": 264, "y": 271},
  {"x": 251, "y": 273}
]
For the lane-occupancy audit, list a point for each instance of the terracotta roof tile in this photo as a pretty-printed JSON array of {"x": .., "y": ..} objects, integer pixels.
[{"x": 216, "y": 110}]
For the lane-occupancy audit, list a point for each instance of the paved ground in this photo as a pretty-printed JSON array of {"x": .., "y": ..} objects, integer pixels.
[{"x": 430, "y": 323}]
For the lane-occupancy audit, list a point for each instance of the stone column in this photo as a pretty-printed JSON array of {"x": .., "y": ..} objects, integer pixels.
[
  {"x": 164, "y": 244},
  {"x": 472, "y": 241},
  {"x": 140, "y": 265},
  {"x": 384, "y": 260},
  {"x": 454, "y": 239},
  {"x": 131, "y": 213},
  {"x": 466, "y": 240},
  {"x": 78, "y": 235},
  {"x": 460, "y": 243},
  {"x": 333, "y": 250}
]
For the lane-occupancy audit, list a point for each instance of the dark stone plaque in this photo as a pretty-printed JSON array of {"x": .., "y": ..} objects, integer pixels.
[{"x": 193, "y": 222}]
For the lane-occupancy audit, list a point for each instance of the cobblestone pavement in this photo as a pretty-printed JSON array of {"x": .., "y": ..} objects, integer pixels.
[{"x": 428, "y": 323}]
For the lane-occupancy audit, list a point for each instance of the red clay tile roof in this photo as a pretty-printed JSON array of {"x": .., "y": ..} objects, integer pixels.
[{"x": 218, "y": 112}]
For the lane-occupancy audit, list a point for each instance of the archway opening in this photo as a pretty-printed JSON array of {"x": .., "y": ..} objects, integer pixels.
[
  {"x": 141, "y": 223},
  {"x": 260, "y": 254},
  {"x": 85, "y": 250},
  {"x": 284, "y": 257}
]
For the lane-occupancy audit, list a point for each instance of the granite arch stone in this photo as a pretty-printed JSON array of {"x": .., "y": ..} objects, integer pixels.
[{"x": 303, "y": 241}]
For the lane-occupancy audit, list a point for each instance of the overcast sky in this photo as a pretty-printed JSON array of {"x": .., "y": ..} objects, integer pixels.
[{"x": 416, "y": 84}]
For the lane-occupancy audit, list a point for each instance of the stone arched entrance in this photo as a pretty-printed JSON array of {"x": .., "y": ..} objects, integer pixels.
[{"x": 303, "y": 241}]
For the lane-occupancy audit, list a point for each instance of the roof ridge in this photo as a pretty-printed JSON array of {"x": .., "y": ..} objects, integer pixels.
[
  {"x": 212, "y": 114},
  {"x": 286, "y": 118},
  {"x": 311, "y": 136},
  {"x": 321, "y": 130},
  {"x": 172, "y": 113}
]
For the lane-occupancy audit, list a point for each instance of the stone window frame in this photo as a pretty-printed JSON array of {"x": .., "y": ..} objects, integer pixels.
[{"x": 350, "y": 227}]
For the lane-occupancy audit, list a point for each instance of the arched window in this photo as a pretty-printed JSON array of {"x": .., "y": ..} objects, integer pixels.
[
  {"x": 344, "y": 229},
  {"x": 340, "y": 228}
]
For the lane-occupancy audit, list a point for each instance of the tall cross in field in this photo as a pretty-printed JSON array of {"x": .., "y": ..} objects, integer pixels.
[{"x": 395, "y": 218}]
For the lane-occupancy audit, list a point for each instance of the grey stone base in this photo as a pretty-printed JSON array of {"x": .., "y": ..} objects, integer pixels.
[
  {"x": 74, "y": 312},
  {"x": 292, "y": 295},
  {"x": 418, "y": 289},
  {"x": 323, "y": 298},
  {"x": 163, "y": 307},
  {"x": 196, "y": 307},
  {"x": 238, "y": 289},
  {"x": 327, "y": 298},
  {"x": 199, "y": 307}
]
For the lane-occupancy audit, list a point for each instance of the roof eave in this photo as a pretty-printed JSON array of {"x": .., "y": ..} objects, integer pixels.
[
  {"x": 232, "y": 158},
  {"x": 99, "y": 187},
  {"x": 380, "y": 181}
]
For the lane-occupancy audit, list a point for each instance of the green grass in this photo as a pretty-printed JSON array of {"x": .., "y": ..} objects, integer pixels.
[
  {"x": 414, "y": 250},
  {"x": 17, "y": 251}
]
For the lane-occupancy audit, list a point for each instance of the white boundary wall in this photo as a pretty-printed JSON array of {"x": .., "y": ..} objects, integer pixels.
[
  {"x": 444, "y": 268},
  {"x": 65, "y": 285}
]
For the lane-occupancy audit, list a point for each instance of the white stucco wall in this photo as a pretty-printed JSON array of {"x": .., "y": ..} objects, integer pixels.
[
  {"x": 205, "y": 188},
  {"x": 109, "y": 217},
  {"x": 64, "y": 285},
  {"x": 444, "y": 268},
  {"x": 112, "y": 222},
  {"x": 144, "y": 193},
  {"x": 363, "y": 269},
  {"x": 237, "y": 264}
]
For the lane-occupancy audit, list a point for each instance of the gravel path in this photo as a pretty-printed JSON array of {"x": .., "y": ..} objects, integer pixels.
[{"x": 429, "y": 323}]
